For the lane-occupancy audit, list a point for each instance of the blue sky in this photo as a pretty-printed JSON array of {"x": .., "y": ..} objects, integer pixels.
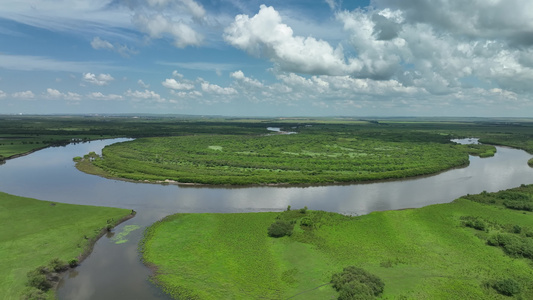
[{"x": 267, "y": 58}]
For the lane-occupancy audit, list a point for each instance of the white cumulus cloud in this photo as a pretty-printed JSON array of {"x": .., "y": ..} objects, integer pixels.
[
  {"x": 171, "y": 83},
  {"x": 175, "y": 73},
  {"x": 142, "y": 84},
  {"x": 55, "y": 94},
  {"x": 239, "y": 75},
  {"x": 267, "y": 36},
  {"x": 216, "y": 89},
  {"x": 104, "y": 97},
  {"x": 101, "y": 79},
  {"x": 23, "y": 95},
  {"x": 191, "y": 94},
  {"x": 97, "y": 43},
  {"x": 144, "y": 95},
  {"x": 158, "y": 25},
  {"x": 509, "y": 20}
]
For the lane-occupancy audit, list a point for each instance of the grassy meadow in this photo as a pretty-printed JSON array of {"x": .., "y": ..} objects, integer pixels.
[
  {"x": 433, "y": 252},
  {"x": 35, "y": 232}
]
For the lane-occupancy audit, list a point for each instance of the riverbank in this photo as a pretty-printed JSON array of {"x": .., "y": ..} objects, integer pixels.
[
  {"x": 36, "y": 232},
  {"x": 436, "y": 251}
]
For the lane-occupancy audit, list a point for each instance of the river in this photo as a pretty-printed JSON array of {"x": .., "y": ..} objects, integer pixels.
[{"x": 114, "y": 271}]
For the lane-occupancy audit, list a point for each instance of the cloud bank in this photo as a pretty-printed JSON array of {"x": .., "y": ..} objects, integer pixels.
[{"x": 437, "y": 48}]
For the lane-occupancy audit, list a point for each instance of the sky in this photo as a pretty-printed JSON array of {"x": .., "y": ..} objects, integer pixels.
[{"x": 267, "y": 58}]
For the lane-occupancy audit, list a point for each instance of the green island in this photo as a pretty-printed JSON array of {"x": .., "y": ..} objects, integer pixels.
[
  {"x": 477, "y": 247},
  {"x": 317, "y": 154},
  {"x": 40, "y": 239}
]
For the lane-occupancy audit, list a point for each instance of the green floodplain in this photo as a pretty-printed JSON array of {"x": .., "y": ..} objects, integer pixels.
[
  {"x": 40, "y": 238},
  {"x": 477, "y": 247}
]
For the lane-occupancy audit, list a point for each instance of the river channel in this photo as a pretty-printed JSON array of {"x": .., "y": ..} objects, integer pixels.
[{"x": 114, "y": 270}]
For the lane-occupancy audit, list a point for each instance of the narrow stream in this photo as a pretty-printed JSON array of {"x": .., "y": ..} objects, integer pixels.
[{"x": 114, "y": 270}]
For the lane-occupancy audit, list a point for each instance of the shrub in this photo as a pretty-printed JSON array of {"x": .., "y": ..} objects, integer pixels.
[
  {"x": 355, "y": 290},
  {"x": 508, "y": 287},
  {"x": 518, "y": 205},
  {"x": 303, "y": 210},
  {"x": 356, "y": 283},
  {"x": 34, "y": 294},
  {"x": 512, "y": 244},
  {"x": 73, "y": 262},
  {"x": 280, "y": 228},
  {"x": 306, "y": 221},
  {"x": 38, "y": 280},
  {"x": 58, "y": 265},
  {"x": 476, "y": 224}
]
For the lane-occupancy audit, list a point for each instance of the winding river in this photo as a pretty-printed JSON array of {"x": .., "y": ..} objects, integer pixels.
[{"x": 114, "y": 271}]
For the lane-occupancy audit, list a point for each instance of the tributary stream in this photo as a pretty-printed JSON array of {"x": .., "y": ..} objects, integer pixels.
[{"x": 114, "y": 269}]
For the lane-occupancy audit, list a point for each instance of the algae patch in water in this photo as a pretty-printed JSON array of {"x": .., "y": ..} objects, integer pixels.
[{"x": 120, "y": 237}]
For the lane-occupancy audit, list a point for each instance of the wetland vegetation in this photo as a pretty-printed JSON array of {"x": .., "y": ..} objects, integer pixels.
[
  {"x": 439, "y": 251},
  {"x": 311, "y": 156},
  {"x": 40, "y": 238},
  {"x": 320, "y": 153},
  {"x": 23, "y": 134},
  {"x": 433, "y": 252}
]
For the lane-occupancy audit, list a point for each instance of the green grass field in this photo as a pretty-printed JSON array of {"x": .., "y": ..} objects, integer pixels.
[
  {"x": 34, "y": 232},
  {"x": 425, "y": 253}
]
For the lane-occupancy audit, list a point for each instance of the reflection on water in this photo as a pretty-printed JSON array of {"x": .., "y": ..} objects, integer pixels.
[{"x": 113, "y": 271}]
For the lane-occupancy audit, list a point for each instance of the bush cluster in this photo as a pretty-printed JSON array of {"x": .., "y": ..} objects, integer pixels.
[
  {"x": 507, "y": 287},
  {"x": 518, "y": 205},
  {"x": 38, "y": 279},
  {"x": 517, "y": 199},
  {"x": 474, "y": 222},
  {"x": 34, "y": 294},
  {"x": 306, "y": 222},
  {"x": 356, "y": 283},
  {"x": 512, "y": 244},
  {"x": 280, "y": 228},
  {"x": 43, "y": 278}
]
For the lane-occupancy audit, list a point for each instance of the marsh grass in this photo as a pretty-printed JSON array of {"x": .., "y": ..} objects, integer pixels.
[
  {"x": 425, "y": 253},
  {"x": 320, "y": 156},
  {"x": 38, "y": 233}
]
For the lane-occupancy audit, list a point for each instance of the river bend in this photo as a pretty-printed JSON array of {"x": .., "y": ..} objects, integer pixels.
[{"x": 114, "y": 271}]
